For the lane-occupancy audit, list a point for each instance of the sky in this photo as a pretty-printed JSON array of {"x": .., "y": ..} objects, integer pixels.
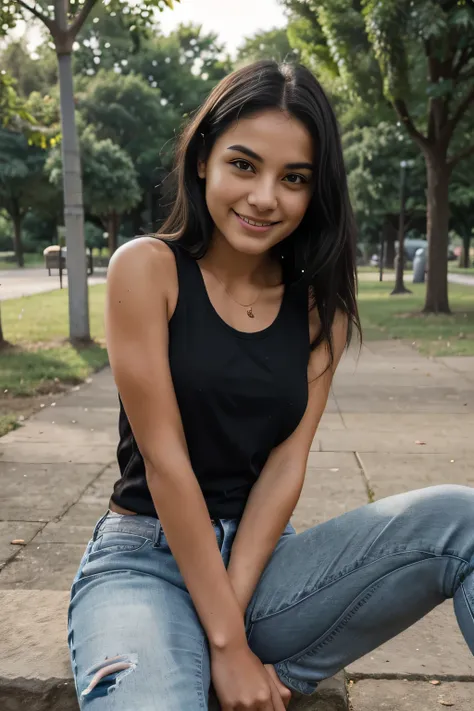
[{"x": 232, "y": 20}]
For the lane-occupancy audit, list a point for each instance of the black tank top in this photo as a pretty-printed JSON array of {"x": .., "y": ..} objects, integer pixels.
[{"x": 239, "y": 395}]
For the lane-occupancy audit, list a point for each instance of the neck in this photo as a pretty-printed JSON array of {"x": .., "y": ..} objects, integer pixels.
[{"x": 234, "y": 267}]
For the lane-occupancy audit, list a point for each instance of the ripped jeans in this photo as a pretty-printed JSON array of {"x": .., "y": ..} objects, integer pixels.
[{"x": 327, "y": 596}]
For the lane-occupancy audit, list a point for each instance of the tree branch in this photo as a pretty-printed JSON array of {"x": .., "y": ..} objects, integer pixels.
[
  {"x": 402, "y": 110},
  {"x": 466, "y": 75},
  {"x": 452, "y": 162},
  {"x": 45, "y": 20},
  {"x": 81, "y": 17},
  {"x": 462, "y": 61},
  {"x": 461, "y": 110}
]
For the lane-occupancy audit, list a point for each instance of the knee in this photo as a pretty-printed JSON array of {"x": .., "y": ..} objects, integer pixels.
[{"x": 448, "y": 506}]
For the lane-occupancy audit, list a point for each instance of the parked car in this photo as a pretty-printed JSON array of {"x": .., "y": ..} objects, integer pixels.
[{"x": 411, "y": 245}]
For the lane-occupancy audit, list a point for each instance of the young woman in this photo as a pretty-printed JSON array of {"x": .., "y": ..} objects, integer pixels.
[{"x": 224, "y": 334}]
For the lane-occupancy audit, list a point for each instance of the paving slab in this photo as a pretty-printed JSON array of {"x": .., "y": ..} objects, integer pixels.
[
  {"x": 328, "y": 493},
  {"x": 47, "y": 566},
  {"x": 52, "y": 453},
  {"x": 72, "y": 433},
  {"x": 384, "y": 695},
  {"x": 331, "y": 421},
  {"x": 34, "y": 660},
  {"x": 433, "y": 648},
  {"x": 330, "y": 460},
  {"x": 14, "y": 531},
  {"x": 396, "y": 441},
  {"x": 460, "y": 364},
  {"x": 41, "y": 492},
  {"x": 447, "y": 424},
  {"x": 395, "y": 473}
]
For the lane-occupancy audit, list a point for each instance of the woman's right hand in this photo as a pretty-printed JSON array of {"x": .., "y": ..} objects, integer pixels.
[{"x": 241, "y": 681}]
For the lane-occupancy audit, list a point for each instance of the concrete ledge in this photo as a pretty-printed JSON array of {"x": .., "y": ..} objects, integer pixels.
[{"x": 34, "y": 662}]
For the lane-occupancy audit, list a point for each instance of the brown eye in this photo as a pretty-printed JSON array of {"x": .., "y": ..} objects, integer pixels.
[
  {"x": 299, "y": 178},
  {"x": 242, "y": 165}
]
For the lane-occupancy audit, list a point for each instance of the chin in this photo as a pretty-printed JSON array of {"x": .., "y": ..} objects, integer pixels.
[{"x": 248, "y": 244}]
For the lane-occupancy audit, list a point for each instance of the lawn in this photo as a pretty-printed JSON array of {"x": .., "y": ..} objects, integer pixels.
[
  {"x": 31, "y": 260},
  {"x": 42, "y": 359},
  {"x": 385, "y": 316},
  {"x": 454, "y": 269}
]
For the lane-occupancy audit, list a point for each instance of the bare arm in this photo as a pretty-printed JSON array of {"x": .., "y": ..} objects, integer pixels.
[
  {"x": 140, "y": 284},
  {"x": 278, "y": 488}
]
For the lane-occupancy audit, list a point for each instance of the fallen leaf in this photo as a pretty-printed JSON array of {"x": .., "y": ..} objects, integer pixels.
[
  {"x": 18, "y": 542},
  {"x": 445, "y": 703}
]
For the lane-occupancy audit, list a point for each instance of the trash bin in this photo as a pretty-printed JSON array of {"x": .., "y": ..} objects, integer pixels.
[{"x": 419, "y": 266}]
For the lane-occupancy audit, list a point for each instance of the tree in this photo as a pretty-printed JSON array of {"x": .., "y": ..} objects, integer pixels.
[
  {"x": 31, "y": 72},
  {"x": 372, "y": 156},
  {"x": 64, "y": 19},
  {"x": 109, "y": 178},
  {"x": 424, "y": 50},
  {"x": 270, "y": 44},
  {"x": 12, "y": 109},
  {"x": 185, "y": 65},
  {"x": 22, "y": 181},
  {"x": 132, "y": 114},
  {"x": 462, "y": 208},
  {"x": 443, "y": 30}
]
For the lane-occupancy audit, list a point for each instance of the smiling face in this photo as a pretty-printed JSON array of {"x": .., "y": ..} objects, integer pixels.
[{"x": 259, "y": 180}]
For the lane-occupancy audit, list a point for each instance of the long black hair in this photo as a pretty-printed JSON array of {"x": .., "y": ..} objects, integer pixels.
[{"x": 319, "y": 256}]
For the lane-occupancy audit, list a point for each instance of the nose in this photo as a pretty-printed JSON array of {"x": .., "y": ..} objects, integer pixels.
[{"x": 263, "y": 195}]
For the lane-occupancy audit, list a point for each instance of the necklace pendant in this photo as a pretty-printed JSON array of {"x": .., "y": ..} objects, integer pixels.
[{"x": 250, "y": 313}]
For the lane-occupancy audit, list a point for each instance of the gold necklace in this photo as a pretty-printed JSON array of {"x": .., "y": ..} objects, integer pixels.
[{"x": 248, "y": 307}]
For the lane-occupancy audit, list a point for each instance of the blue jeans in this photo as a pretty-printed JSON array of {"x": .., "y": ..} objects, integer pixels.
[{"x": 327, "y": 596}]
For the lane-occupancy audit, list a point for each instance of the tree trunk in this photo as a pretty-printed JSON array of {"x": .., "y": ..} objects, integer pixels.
[
  {"x": 2, "y": 339},
  {"x": 399, "y": 287},
  {"x": 113, "y": 225},
  {"x": 17, "y": 242},
  {"x": 438, "y": 174},
  {"x": 465, "y": 261},
  {"x": 389, "y": 241},
  {"x": 73, "y": 207}
]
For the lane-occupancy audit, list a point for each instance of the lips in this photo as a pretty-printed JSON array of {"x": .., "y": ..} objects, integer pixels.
[{"x": 254, "y": 222}]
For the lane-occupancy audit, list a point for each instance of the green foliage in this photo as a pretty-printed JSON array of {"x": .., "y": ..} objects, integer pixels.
[
  {"x": 372, "y": 155},
  {"x": 185, "y": 65},
  {"x": 23, "y": 184},
  {"x": 126, "y": 110},
  {"x": 12, "y": 109},
  {"x": 32, "y": 72},
  {"x": 270, "y": 44},
  {"x": 109, "y": 178},
  {"x": 140, "y": 14}
]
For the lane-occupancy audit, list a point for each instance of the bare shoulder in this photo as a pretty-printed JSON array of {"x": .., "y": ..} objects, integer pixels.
[
  {"x": 147, "y": 255},
  {"x": 144, "y": 268}
]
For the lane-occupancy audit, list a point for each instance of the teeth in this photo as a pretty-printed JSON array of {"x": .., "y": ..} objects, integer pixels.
[{"x": 255, "y": 224}]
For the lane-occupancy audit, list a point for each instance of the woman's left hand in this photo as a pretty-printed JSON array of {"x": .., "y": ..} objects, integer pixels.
[{"x": 283, "y": 690}]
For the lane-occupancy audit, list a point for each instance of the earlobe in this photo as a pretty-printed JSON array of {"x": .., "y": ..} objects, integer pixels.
[{"x": 201, "y": 168}]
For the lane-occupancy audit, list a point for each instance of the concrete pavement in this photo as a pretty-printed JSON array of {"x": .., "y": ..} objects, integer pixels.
[
  {"x": 395, "y": 421},
  {"x": 463, "y": 279},
  {"x": 25, "y": 282}
]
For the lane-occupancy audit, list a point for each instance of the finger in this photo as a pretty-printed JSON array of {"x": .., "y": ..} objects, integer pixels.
[
  {"x": 277, "y": 701},
  {"x": 283, "y": 690}
]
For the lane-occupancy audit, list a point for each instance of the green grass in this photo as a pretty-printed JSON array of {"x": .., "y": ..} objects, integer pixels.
[
  {"x": 41, "y": 357},
  {"x": 385, "y": 317},
  {"x": 7, "y": 424},
  {"x": 455, "y": 269},
  {"x": 31, "y": 260}
]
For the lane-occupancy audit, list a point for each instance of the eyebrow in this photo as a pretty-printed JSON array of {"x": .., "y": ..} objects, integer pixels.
[{"x": 255, "y": 156}]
